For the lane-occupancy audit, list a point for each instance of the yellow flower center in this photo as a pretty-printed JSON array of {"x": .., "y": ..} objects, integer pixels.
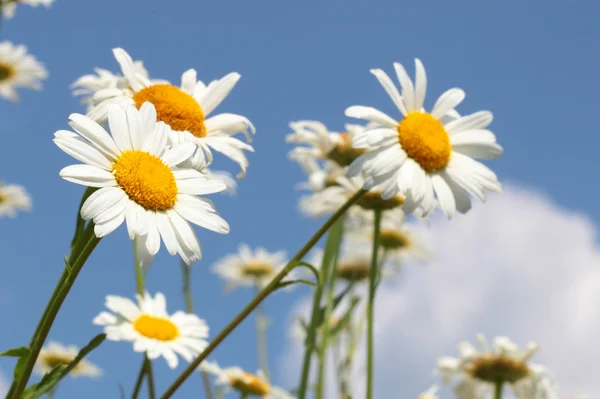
[
  {"x": 497, "y": 368},
  {"x": 353, "y": 271},
  {"x": 425, "y": 140},
  {"x": 7, "y": 71},
  {"x": 146, "y": 179},
  {"x": 343, "y": 153},
  {"x": 372, "y": 200},
  {"x": 250, "y": 385},
  {"x": 53, "y": 359},
  {"x": 393, "y": 239},
  {"x": 156, "y": 328},
  {"x": 175, "y": 107},
  {"x": 257, "y": 269}
]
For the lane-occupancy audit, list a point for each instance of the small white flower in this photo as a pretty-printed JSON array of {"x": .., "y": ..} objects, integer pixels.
[
  {"x": 247, "y": 384},
  {"x": 18, "y": 69},
  {"x": 250, "y": 268},
  {"x": 431, "y": 393},
  {"x": 152, "y": 330},
  {"x": 185, "y": 109},
  {"x": 54, "y": 353},
  {"x": 13, "y": 198},
  {"x": 426, "y": 154},
  {"x": 9, "y": 6},
  {"x": 139, "y": 183}
]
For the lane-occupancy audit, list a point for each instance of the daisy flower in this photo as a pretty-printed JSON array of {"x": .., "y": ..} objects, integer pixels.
[
  {"x": 477, "y": 372},
  {"x": 426, "y": 154},
  {"x": 55, "y": 353},
  {"x": 13, "y": 198},
  {"x": 9, "y": 6},
  {"x": 152, "y": 330},
  {"x": 250, "y": 268},
  {"x": 247, "y": 384},
  {"x": 185, "y": 109},
  {"x": 139, "y": 183},
  {"x": 18, "y": 69},
  {"x": 431, "y": 393}
]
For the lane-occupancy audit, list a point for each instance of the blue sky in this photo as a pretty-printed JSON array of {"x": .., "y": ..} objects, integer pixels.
[{"x": 534, "y": 64}]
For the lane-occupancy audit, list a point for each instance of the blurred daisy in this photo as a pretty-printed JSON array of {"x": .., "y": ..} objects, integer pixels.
[
  {"x": 13, "y": 198},
  {"x": 431, "y": 393},
  {"x": 9, "y": 6},
  {"x": 250, "y": 268},
  {"x": 426, "y": 154},
  {"x": 139, "y": 183},
  {"x": 477, "y": 372},
  {"x": 55, "y": 353},
  {"x": 246, "y": 384},
  {"x": 18, "y": 69},
  {"x": 152, "y": 330},
  {"x": 323, "y": 144},
  {"x": 224, "y": 177},
  {"x": 184, "y": 109}
]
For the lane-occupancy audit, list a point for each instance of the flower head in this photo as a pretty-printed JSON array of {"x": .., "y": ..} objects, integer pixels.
[
  {"x": 426, "y": 155},
  {"x": 151, "y": 329},
  {"x": 431, "y": 393},
  {"x": 250, "y": 267},
  {"x": 13, "y": 198},
  {"x": 247, "y": 384},
  {"x": 139, "y": 183},
  {"x": 185, "y": 109},
  {"x": 18, "y": 69},
  {"x": 9, "y": 6},
  {"x": 55, "y": 353}
]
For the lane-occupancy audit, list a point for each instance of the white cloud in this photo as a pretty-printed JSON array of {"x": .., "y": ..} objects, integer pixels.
[
  {"x": 518, "y": 266},
  {"x": 3, "y": 385}
]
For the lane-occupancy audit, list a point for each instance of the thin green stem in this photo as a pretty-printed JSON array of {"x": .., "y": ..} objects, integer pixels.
[
  {"x": 261, "y": 296},
  {"x": 186, "y": 273},
  {"x": 150, "y": 379},
  {"x": 373, "y": 273},
  {"x": 138, "y": 382},
  {"x": 261, "y": 336},
  {"x": 337, "y": 233},
  {"x": 76, "y": 261},
  {"x": 498, "y": 390},
  {"x": 138, "y": 271}
]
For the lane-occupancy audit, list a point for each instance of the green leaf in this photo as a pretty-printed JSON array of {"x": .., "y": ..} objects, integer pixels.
[
  {"x": 345, "y": 319},
  {"x": 311, "y": 268},
  {"x": 336, "y": 302},
  {"x": 290, "y": 282},
  {"x": 22, "y": 353},
  {"x": 51, "y": 379}
]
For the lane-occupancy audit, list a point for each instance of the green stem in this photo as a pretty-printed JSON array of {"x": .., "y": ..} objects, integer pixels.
[
  {"x": 261, "y": 336},
  {"x": 76, "y": 261},
  {"x": 138, "y": 271},
  {"x": 186, "y": 272},
  {"x": 150, "y": 379},
  {"x": 336, "y": 233},
  {"x": 139, "y": 380},
  {"x": 261, "y": 296},
  {"x": 498, "y": 390},
  {"x": 373, "y": 272}
]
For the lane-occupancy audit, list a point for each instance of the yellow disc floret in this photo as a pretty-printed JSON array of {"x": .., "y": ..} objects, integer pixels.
[
  {"x": 250, "y": 385},
  {"x": 498, "y": 369},
  {"x": 343, "y": 153},
  {"x": 394, "y": 239},
  {"x": 425, "y": 140},
  {"x": 6, "y": 71},
  {"x": 175, "y": 107},
  {"x": 156, "y": 328},
  {"x": 146, "y": 179},
  {"x": 257, "y": 269}
]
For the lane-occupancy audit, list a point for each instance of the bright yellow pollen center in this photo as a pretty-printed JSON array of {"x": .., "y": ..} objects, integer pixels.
[
  {"x": 146, "y": 179},
  {"x": 175, "y": 107},
  {"x": 353, "y": 271},
  {"x": 257, "y": 269},
  {"x": 425, "y": 140},
  {"x": 156, "y": 328},
  {"x": 250, "y": 385},
  {"x": 6, "y": 71}
]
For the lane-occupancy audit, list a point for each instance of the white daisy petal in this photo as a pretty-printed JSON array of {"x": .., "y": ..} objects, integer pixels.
[
  {"x": 390, "y": 89},
  {"x": 370, "y": 114},
  {"x": 87, "y": 175},
  {"x": 447, "y": 102},
  {"x": 217, "y": 92},
  {"x": 420, "y": 84},
  {"x": 408, "y": 90}
]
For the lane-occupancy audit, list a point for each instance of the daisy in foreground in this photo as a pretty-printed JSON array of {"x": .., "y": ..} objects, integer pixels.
[
  {"x": 246, "y": 384},
  {"x": 55, "y": 353},
  {"x": 426, "y": 154},
  {"x": 9, "y": 6},
  {"x": 18, "y": 69},
  {"x": 152, "y": 330},
  {"x": 478, "y": 372},
  {"x": 139, "y": 183},
  {"x": 184, "y": 109},
  {"x": 250, "y": 268},
  {"x": 13, "y": 198}
]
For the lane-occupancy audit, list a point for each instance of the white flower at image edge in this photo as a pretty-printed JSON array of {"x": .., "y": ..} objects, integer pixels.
[
  {"x": 18, "y": 69},
  {"x": 13, "y": 198},
  {"x": 152, "y": 330},
  {"x": 9, "y": 6},
  {"x": 139, "y": 183},
  {"x": 426, "y": 154}
]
